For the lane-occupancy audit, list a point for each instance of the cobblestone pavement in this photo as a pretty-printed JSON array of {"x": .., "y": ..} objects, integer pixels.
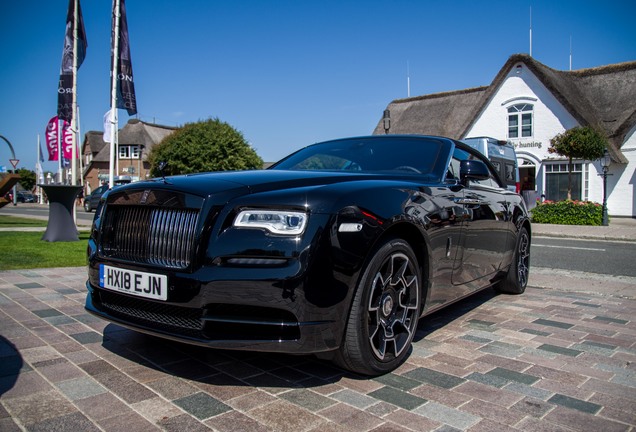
[{"x": 553, "y": 359}]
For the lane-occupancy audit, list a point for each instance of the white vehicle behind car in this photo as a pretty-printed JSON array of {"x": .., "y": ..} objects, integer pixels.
[{"x": 502, "y": 155}]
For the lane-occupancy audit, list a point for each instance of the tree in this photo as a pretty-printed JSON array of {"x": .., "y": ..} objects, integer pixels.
[
  {"x": 27, "y": 179},
  {"x": 210, "y": 145},
  {"x": 581, "y": 142}
]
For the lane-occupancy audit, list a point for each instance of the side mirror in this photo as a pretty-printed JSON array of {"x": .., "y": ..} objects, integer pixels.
[{"x": 473, "y": 170}]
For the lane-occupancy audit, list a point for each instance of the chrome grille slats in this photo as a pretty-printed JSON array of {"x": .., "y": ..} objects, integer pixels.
[
  {"x": 168, "y": 232},
  {"x": 142, "y": 233},
  {"x": 172, "y": 227},
  {"x": 150, "y": 235},
  {"x": 123, "y": 236},
  {"x": 190, "y": 223},
  {"x": 155, "y": 239},
  {"x": 138, "y": 233}
]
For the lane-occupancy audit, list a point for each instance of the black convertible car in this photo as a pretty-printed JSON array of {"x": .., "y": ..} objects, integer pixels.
[{"x": 336, "y": 250}]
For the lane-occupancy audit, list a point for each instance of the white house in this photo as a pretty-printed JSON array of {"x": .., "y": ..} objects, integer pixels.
[{"x": 529, "y": 103}]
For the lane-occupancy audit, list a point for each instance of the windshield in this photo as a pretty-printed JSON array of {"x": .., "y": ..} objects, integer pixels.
[{"x": 381, "y": 154}]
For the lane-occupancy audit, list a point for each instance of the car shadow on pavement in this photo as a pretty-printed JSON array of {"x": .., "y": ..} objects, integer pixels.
[
  {"x": 10, "y": 365},
  {"x": 448, "y": 314},
  {"x": 217, "y": 367}
]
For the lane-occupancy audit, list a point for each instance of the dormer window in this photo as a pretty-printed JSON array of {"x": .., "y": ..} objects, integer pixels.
[
  {"x": 520, "y": 121},
  {"x": 128, "y": 152}
]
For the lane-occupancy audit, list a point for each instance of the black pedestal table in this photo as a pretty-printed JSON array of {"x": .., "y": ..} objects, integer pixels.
[{"x": 61, "y": 225}]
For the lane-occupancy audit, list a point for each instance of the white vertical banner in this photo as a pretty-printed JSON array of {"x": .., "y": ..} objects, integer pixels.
[{"x": 108, "y": 133}]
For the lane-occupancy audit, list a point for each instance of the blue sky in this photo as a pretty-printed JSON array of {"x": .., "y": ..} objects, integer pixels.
[{"x": 288, "y": 73}]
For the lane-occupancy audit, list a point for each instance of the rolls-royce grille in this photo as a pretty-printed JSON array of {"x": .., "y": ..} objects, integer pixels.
[{"x": 150, "y": 235}]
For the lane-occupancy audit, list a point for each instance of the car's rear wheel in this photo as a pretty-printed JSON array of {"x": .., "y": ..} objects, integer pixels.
[
  {"x": 384, "y": 312},
  {"x": 87, "y": 206},
  {"x": 516, "y": 280}
]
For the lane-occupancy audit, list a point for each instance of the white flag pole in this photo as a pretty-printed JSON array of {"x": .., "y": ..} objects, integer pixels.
[
  {"x": 39, "y": 173},
  {"x": 74, "y": 103},
  {"x": 79, "y": 153},
  {"x": 408, "y": 80},
  {"x": 530, "y": 31},
  {"x": 59, "y": 151},
  {"x": 113, "y": 95}
]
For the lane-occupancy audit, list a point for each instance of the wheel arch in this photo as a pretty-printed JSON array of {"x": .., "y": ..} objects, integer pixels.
[
  {"x": 528, "y": 226},
  {"x": 406, "y": 233},
  {"x": 418, "y": 242}
]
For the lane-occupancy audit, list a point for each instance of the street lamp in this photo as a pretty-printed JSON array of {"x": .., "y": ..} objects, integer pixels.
[
  {"x": 605, "y": 164},
  {"x": 387, "y": 121}
]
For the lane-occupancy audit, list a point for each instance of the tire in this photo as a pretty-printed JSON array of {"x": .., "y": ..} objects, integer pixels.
[
  {"x": 384, "y": 312},
  {"x": 87, "y": 206},
  {"x": 516, "y": 280}
]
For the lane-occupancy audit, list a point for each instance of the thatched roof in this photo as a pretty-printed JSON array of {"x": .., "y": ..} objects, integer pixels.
[
  {"x": 135, "y": 132},
  {"x": 603, "y": 97},
  {"x": 95, "y": 141},
  {"x": 443, "y": 114}
]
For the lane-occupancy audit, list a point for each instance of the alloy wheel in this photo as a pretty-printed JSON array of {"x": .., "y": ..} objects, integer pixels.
[{"x": 393, "y": 307}]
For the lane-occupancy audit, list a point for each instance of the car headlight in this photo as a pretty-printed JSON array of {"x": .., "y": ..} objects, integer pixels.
[{"x": 275, "y": 221}]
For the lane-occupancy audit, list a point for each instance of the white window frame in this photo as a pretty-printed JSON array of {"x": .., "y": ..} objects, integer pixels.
[
  {"x": 579, "y": 169},
  {"x": 519, "y": 112},
  {"x": 128, "y": 152}
]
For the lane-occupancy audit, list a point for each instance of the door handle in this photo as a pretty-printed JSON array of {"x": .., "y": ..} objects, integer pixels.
[{"x": 468, "y": 201}]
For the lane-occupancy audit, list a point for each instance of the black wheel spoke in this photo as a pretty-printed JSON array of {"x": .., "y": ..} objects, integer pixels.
[
  {"x": 393, "y": 302},
  {"x": 523, "y": 260},
  {"x": 515, "y": 280}
]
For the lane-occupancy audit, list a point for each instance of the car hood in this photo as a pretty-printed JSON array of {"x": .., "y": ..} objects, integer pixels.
[{"x": 245, "y": 182}]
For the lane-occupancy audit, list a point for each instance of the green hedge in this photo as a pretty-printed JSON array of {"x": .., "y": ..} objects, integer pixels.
[{"x": 568, "y": 213}]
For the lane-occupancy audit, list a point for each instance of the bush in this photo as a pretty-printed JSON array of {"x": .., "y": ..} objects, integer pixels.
[
  {"x": 568, "y": 213},
  {"x": 210, "y": 145}
]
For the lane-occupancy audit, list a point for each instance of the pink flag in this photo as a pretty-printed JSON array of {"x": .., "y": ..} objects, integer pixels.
[
  {"x": 67, "y": 141},
  {"x": 52, "y": 137}
]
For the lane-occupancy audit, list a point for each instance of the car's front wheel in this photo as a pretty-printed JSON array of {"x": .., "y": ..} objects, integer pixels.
[
  {"x": 384, "y": 312},
  {"x": 87, "y": 206}
]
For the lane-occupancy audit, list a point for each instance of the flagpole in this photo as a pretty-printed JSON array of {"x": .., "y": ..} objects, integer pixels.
[
  {"x": 74, "y": 103},
  {"x": 570, "y": 53},
  {"x": 39, "y": 172},
  {"x": 530, "y": 31},
  {"x": 80, "y": 163},
  {"x": 59, "y": 152},
  {"x": 113, "y": 95},
  {"x": 408, "y": 80}
]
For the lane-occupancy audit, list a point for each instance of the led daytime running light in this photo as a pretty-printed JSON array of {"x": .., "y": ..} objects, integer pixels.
[{"x": 275, "y": 221}]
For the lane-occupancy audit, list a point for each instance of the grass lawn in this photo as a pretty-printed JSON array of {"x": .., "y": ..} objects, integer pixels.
[
  {"x": 24, "y": 250},
  {"x": 15, "y": 221}
]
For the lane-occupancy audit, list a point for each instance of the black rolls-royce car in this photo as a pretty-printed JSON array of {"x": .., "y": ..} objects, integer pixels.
[{"x": 336, "y": 250}]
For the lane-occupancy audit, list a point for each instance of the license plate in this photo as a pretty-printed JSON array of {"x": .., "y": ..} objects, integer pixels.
[{"x": 141, "y": 284}]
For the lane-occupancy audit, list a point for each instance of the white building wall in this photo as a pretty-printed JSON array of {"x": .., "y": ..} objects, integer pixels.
[
  {"x": 620, "y": 185},
  {"x": 549, "y": 116},
  {"x": 549, "y": 119}
]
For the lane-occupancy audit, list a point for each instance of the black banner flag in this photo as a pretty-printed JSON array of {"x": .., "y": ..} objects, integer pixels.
[
  {"x": 125, "y": 83},
  {"x": 65, "y": 88}
]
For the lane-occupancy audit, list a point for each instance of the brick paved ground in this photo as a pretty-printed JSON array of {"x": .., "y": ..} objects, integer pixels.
[{"x": 549, "y": 360}]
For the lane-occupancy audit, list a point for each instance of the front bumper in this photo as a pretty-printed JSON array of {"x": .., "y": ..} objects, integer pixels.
[{"x": 270, "y": 314}]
